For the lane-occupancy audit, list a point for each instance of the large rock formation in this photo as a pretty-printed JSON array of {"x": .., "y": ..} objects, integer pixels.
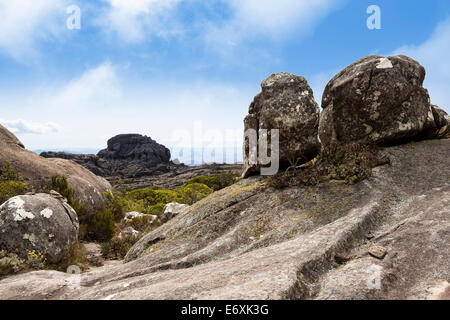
[
  {"x": 287, "y": 103},
  {"x": 37, "y": 171},
  {"x": 249, "y": 241},
  {"x": 126, "y": 155},
  {"x": 376, "y": 100},
  {"x": 39, "y": 223}
]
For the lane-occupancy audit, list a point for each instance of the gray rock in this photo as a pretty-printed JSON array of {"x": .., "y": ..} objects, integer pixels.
[
  {"x": 39, "y": 222},
  {"x": 128, "y": 232},
  {"x": 377, "y": 252},
  {"x": 171, "y": 210},
  {"x": 38, "y": 171},
  {"x": 287, "y": 103},
  {"x": 207, "y": 252},
  {"x": 442, "y": 121},
  {"x": 376, "y": 100},
  {"x": 126, "y": 154},
  {"x": 134, "y": 215}
]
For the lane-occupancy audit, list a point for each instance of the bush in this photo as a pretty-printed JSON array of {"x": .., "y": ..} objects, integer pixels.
[
  {"x": 119, "y": 204},
  {"x": 11, "y": 184},
  {"x": 194, "y": 192},
  {"x": 11, "y": 189},
  {"x": 11, "y": 263},
  {"x": 152, "y": 197},
  {"x": 101, "y": 227},
  {"x": 215, "y": 182},
  {"x": 61, "y": 185},
  {"x": 156, "y": 210}
]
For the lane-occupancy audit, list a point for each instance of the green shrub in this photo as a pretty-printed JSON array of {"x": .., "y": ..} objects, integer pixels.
[
  {"x": 11, "y": 184},
  {"x": 194, "y": 192},
  {"x": 11, "y": 189},
  {"x": 156, "y": 210},
  {"x": 101, "y": 227},
  {"x": 215, "y": 182},
  {"x": 11, "y": 262},
  {"x": 152, "y": 197},
  {"x": 61, "y": 185},
  {"x": 119, "y": 204}
]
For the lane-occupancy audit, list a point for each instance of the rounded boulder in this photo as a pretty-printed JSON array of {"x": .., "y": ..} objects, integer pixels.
[
  {"x": 377, "y": 100},
  {"x": 40, "y": 223}
]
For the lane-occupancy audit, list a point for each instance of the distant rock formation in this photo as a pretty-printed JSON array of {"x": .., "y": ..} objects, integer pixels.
[{"x": 126, "y": 155}]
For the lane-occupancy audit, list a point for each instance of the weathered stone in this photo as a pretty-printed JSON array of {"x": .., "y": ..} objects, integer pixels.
[
  {"x": 171, "y": 210},
  {"x": 376, "y": 100},
  {"x": 377, "y": 252},
  {"x": 126, "y": 155},
  {"x": 38, "y": 171},
  {"x": 207, "y": 252},
  {"x": 442, "y": 121},
  {"x": 128, "y": 232},
  {"x": 287, "y": 103},
  {"x": 40, "y": 223},
  {"x": 134, "y": 215}
]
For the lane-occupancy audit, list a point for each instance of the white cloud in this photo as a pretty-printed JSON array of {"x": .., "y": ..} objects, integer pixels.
[
  {"x": 268, "y": 18},
  {"x": 25, "y": 22},
  {"x": 95, "y": 88},
  {"x": 134, "y": 20},
  {"x": 21, "y": 126},
  {"x": 433, "y": 55}
]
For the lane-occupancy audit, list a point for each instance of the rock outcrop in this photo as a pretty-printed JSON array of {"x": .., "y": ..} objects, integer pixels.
[
  {"x": 37, "y": 171},
  {"x": 171, "y": 210},
  {"x": 376, "y": 100},
  {"x": 287, "y": 103},
  {"x": 126, "y": 155},
  {"x": 39, "y": 223},
  {"x": 249, "y": 241}
]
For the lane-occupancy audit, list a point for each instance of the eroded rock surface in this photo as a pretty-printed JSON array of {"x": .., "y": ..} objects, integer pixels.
[
  {"x": 126, "y": 154},
  {"x": 286, "y": 103},
  {"x": 38, "y": 171},
  {"x": 376, "y": 100},
  {"x": 39, "y": 223},
  {"x": 249, "y": 241}
]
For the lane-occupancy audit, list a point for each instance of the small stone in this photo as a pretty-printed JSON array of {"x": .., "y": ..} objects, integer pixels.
[{"x": 377, "y": 252}]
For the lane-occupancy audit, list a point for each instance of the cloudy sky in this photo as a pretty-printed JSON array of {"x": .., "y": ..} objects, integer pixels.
[{"x": 186, "y": 70}]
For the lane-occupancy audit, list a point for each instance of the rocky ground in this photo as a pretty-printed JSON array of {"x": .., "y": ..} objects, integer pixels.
[
  {"x": 250, "y": 241},
  {"x": 366, "y": 218}
]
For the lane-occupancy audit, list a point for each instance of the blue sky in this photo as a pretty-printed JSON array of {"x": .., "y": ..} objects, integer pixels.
[{"x": 185, "y": 71}]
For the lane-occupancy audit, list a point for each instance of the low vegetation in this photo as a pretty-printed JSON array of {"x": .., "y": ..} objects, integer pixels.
[
  {"x": 11, "y": 262},
  {"x": 11, "y": 184},
  {"x": 106, "y": 224}
]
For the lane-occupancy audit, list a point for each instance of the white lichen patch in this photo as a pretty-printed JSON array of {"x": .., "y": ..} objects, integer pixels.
[
  {"x": 15, "y": 203},
  {"x": 15, "y": 206},
  {"x": 385, "y": 63},
  {"x": 47, "y": 213},
  {"x": 22, "y": 214}
]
